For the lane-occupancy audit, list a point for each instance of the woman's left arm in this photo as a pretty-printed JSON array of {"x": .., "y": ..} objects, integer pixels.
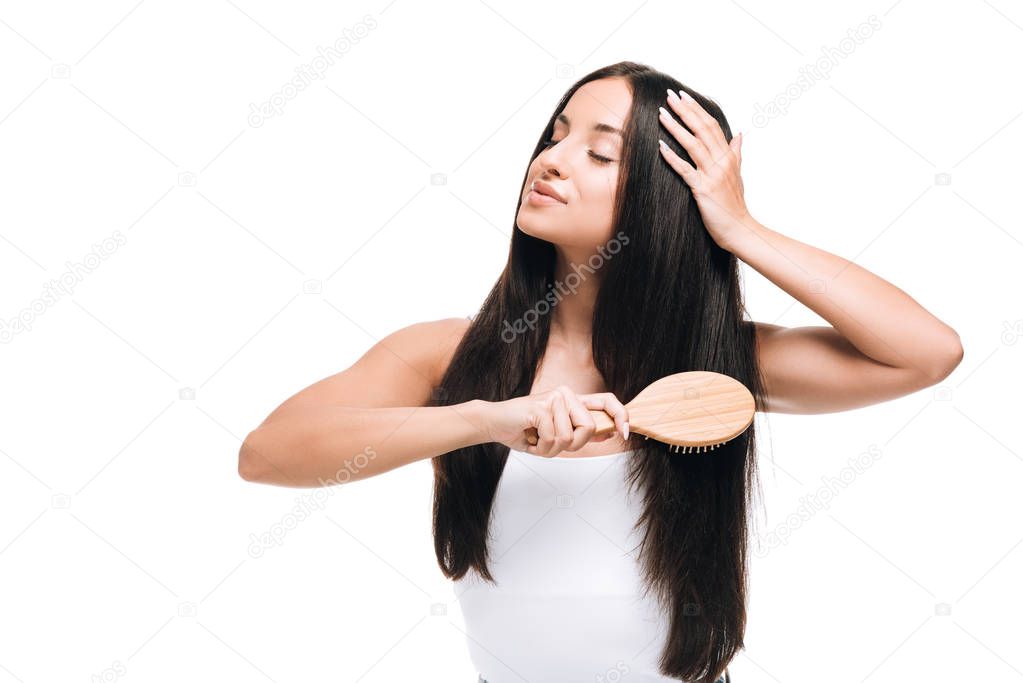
[{"x": 882, "y": 343}]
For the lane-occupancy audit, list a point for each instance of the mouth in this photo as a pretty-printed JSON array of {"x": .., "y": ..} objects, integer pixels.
[{"x": 547, "y": 191}]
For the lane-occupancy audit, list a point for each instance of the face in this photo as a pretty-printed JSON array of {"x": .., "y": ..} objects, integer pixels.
[{"x": 580, "y": 163}]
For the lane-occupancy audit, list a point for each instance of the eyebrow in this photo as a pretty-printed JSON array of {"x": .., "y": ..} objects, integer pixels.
[{"x": 599, "y": 127}]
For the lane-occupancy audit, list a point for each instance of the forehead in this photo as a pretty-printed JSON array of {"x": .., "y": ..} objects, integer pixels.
[{"x": 606, "y": 100}]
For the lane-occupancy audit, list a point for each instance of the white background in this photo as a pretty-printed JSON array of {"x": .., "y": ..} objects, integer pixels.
[{"x": 245, "y": 262}]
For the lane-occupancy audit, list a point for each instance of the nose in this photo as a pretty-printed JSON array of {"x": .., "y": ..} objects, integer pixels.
[
  {"x": 549, "y": 168},
  {"x": 550, "y": 163}
]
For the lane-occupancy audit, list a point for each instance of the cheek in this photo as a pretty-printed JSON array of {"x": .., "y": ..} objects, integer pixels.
[
  {"x": 611, "y": 185},
  {"x": 600, "y": 195},
  {"x": 594, "y": 210}
]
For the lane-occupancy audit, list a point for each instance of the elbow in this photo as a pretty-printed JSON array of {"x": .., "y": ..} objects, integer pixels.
[
  {"x": 950, "y": 359},
  {"x": 249, "y": 461}
]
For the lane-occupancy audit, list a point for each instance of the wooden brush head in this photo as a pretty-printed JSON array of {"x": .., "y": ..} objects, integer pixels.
[{"x": 695, "y": 411}]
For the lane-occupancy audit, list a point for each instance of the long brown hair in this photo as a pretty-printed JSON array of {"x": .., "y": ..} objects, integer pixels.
[{"x": 670, "y": 301}]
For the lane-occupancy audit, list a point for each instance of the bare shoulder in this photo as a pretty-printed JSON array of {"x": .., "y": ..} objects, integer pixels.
[
  {"x": 401, "y": 369},
  {"x": 445, "y": 335},
  {"x": 426, "y": 347}
]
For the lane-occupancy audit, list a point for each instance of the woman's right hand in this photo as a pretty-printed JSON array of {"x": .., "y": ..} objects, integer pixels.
[{"x": 560, "y": 417}]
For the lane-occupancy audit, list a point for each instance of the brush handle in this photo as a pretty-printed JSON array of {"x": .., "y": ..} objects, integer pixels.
[
  {"x": 604, "y": 422},
  {"x": 695, "y": 409}
]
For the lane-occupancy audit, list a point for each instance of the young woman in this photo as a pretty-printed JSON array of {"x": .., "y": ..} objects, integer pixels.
[{"x": 587, "y": 559}]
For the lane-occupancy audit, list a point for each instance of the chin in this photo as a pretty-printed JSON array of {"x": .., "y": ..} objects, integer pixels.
[{"x": 535, "y": 227}]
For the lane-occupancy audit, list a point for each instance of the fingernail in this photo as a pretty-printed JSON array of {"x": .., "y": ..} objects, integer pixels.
[
  {"x": 626, "y": 430},
  {"x": 672, "y": 95},
  {"x": 684, "y": 95}
]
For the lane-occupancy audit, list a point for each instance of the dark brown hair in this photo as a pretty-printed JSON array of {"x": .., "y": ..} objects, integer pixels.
[{"x": 670, "y": 301}]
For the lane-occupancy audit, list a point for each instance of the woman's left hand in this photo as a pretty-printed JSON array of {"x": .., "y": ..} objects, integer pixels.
[{"x": 716, "y": 182}]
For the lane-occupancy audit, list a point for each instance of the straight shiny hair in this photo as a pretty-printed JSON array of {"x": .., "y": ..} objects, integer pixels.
[{"x": 670, "y": 301}]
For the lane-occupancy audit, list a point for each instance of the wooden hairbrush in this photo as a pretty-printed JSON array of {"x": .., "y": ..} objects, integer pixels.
[{"x": 693, "y": 412}]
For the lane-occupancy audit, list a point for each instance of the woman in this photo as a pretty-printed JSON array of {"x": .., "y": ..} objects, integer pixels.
[{"x": 582, "y": 558}]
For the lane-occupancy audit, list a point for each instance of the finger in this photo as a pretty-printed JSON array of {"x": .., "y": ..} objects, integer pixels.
[
  {"x": 698, "y": 127},
  {"x": 704, "y": 126},
  {"x": 689, "y": 140},
  {"x": 610, "y": 404},
  {"x": 547, "y": 442},
  {"x": 581, "y": 418},
  {"x": 737, "y": 148},
  {"x": 544, "y": 432},
  {"x": 733, "y": 148},
  {"x": 562, "y": 423},
  {"x": 707, "y": 131},
  {"x": 681, "y": 166}
]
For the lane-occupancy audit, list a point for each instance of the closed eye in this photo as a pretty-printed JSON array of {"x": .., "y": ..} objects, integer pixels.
[{"x": 596, "y": 157}]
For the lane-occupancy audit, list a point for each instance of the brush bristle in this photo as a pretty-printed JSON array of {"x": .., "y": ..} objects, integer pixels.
[{"x": 693, "y": 449}]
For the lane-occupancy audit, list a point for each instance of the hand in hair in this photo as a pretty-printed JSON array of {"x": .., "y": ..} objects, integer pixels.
[{"x": 716, "y": 181}]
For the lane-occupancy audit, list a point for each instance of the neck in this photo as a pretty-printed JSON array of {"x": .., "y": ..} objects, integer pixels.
[{"x": 577, "y": 287}]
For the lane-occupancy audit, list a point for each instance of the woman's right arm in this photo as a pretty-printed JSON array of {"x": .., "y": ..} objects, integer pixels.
[{"x": 368, "y": 419}]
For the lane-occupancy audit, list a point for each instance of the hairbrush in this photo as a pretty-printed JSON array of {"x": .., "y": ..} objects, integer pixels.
[{"x": 693, "y": 412}]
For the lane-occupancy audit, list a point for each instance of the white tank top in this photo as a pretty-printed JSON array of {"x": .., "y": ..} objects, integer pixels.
[{"x": 568, "y": 605}]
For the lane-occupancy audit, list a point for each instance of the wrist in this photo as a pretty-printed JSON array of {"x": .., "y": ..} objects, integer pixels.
[
  {"x": 745, "y": 231},
  {"x": 477, "y": 412}
]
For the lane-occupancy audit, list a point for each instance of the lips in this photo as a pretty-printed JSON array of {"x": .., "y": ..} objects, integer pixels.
[{"x": 544, "y": 188}]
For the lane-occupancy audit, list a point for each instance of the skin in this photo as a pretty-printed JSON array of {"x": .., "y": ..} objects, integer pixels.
[
  {"x": 576, "y": 229},
  {"x": 880, "y": 343}
]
